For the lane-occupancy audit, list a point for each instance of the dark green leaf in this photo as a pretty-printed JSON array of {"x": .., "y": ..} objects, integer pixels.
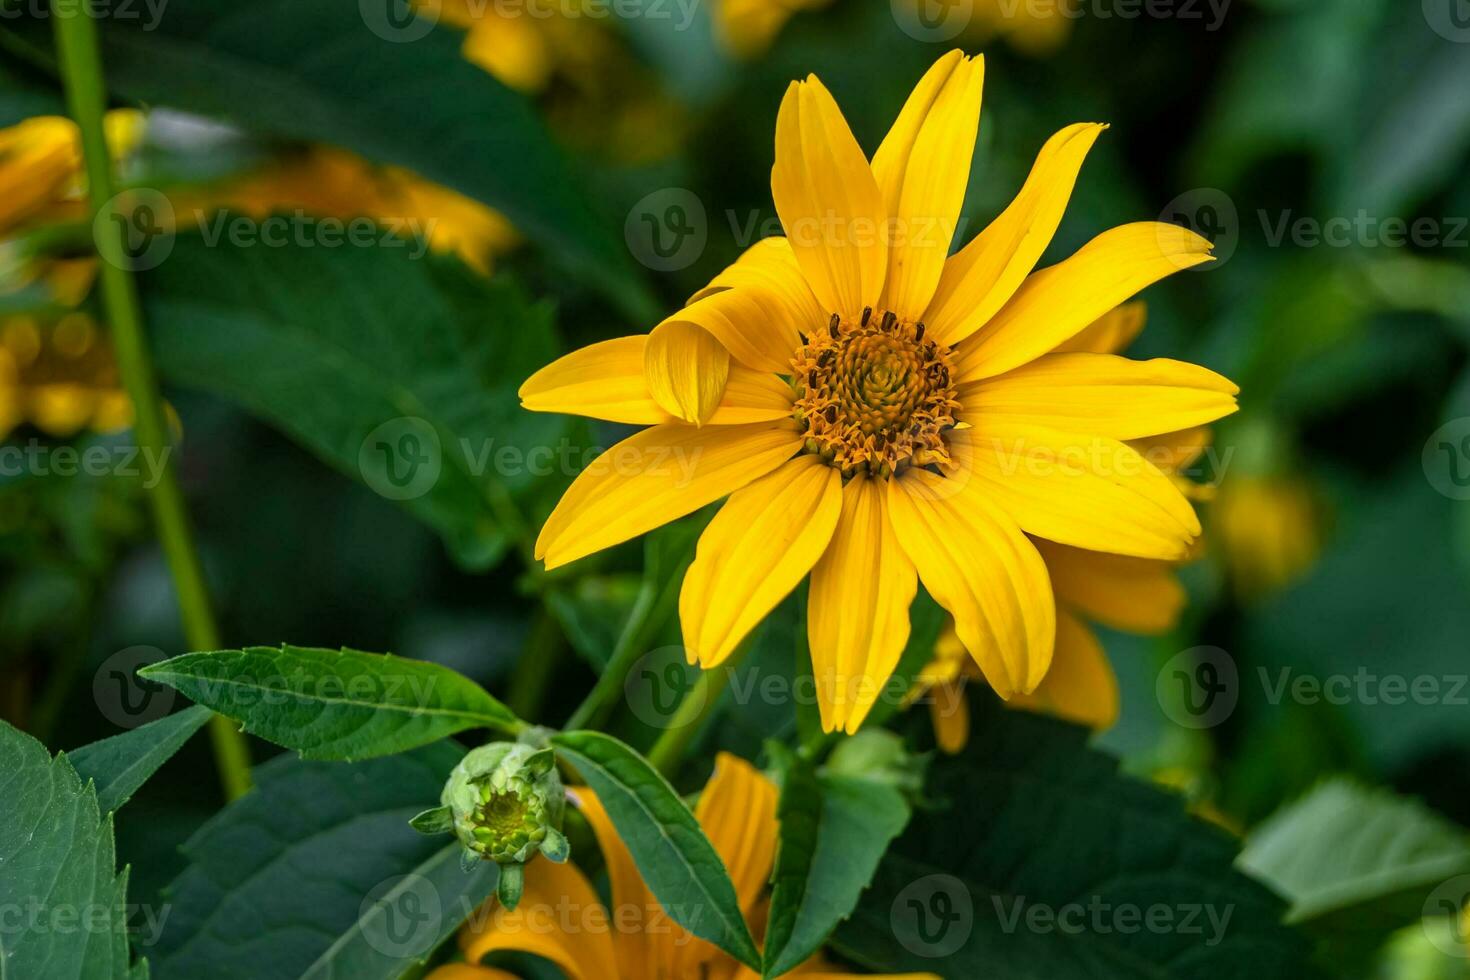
[
  {"x": 57, "y": 871},
  {"x": 119, "y": 765},
  {"x": 360, "y": 76},
  {"x": 679, "y": 864},
  {"x": 397, "y": 372},
  {"x": 317, "y": 873},
  {"x": 1355, "y": 859},
  {"x": 327, "y": 704},
  {"x": 1042, "y": 861},
  {"x": 834, "y": 830}
]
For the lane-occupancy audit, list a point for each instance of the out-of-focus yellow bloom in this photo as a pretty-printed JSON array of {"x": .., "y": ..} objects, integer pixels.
[
  {"x": 1035, "y": 27},
  {"x": 59, "y": 377},
  {"x": 331, "y": 183},
  {"x": 510, "y": 43},
  {"x": 747, "y": 27},
  {"x": 1268, "y": 529},
  {"x": 41, "y": 164},
  {"x": 880, "y": 412},
  {"x": 560, "y": 917},
  {"x": 1134, "y": 595}
]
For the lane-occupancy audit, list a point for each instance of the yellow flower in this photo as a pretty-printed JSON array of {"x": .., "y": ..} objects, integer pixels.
[
  {"x": 1132, "y": 595},
  {"x": 59, "y": 377},
  {"x": 330, "y": 183},
  {"x": 882, "y": 413},
  {"x": 560, "y": 917},
  {"x": 41, "y": 164},
  {"x": 1268, "y": 528},
  {"x": 747, "y": 27}
]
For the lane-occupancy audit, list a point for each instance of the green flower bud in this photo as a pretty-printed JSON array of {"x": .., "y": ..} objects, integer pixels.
[
  {"x": 505, "y": 802},
  {"x": 881, "y": 756}
]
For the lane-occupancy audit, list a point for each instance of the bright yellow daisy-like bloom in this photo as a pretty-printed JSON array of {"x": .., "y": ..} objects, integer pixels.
[
  {"x": 560, "y": 917},
  {"x": 1132, "y": 595},
  {"x": 881, "y": 413}
]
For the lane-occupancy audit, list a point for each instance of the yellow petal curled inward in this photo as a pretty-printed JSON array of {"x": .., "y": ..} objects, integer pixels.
[
  {"x": 753, "y": 322},
  {"x": 755, "y": 551},
  {"x": 977, "y": 564},
  {"x": 657, "y": 476},
  {"x": 1060, "y": 300},
  {"x": 1135, "y": 595},
  {"x": 686, "y": 369},
  {"x": 979, "y": 279},
  {"x": 828, "y": 201},
  {"x": 770, "y": 267},
  {"x": 858, "y": 608},
  {"x": 922, "y": 169},
  {"x": 1103, "y": 394}
]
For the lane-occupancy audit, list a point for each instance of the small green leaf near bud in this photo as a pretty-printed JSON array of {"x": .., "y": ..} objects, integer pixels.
[
  {"x": 512, "y": 884},
  {"x": 439, "y": 820}
]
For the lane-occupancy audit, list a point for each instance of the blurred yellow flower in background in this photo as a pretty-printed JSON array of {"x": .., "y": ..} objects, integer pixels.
[
  {"x": 1267, "y": 530},
  {"x": 747, "y": 27},
  {"x": 880, "y": 412},
  {"x": 60, "y": 377},
  {"x": 561, "y": 919}
]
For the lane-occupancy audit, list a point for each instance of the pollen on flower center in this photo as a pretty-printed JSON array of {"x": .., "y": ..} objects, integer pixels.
[{"x": 875, "y": 395}]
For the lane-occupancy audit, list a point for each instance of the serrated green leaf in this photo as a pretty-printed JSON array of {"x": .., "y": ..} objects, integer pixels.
[
  {"x": 66, "y": 905},
  {"x": 329, "y": 704},
  {"x": 337, "y": 73},
  {"x": 119, "y": 765},
  {"x": 400, "y": 373},
  {"x": 834, "y": 830},
  {"x": 1350, "y": 858},
  {"x": 316, "y": 872},
  {"x": 678, "y": 863},
  {"x": 1041, "y": 860}
]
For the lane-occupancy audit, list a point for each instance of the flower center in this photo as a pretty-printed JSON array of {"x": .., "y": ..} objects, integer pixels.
[{"x": 875, "y": 394}]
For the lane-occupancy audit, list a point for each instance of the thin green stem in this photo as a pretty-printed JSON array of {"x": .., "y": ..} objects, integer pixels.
[
  {"x": 647, "y": 615},
  {"x": 690, "y": 717},
  {"x": 81, "y": 71}
]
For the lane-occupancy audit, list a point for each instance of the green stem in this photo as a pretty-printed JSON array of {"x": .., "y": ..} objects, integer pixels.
[
  {"x": 646, "y": 616},
  {"x": 689, "y": 718},
  {"x": 538, "y": 662},
  {"x": 81, "y": 72}
]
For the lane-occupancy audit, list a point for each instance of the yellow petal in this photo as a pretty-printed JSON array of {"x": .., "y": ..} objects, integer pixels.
[
  {"x": 976, "y": 563},
  {"x": 578, "y": 941},
  {"x": 686, "y": 369},
  {"x": 755, "y": 551},
  {"x": 1110, "y": 333},
  {"x": 640, "y": 944},
  {"x": 737, "y": 812},
  {"x": 1059, "y": 301},
  {"x": 1081, "y": 685},
  {"x": 922, "y": 169},
  {"x": 1135, "y": 595},
  {"x": 858, "y": 608},
  {"x": 979, "y": 279},
  {"x": 828, "y": 201},
  {"x": 1175, "y": 451},
  {"x": 753, "y": 323},
  {"x": 1087, "y": 491},
  {"x": 770, "y": 267},
  {"x": 656, "y": 476},
  {"x": 1103, "y": 394},
  {"x": 950, "y": 713},
  {"x": 606, "y": 381}
]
